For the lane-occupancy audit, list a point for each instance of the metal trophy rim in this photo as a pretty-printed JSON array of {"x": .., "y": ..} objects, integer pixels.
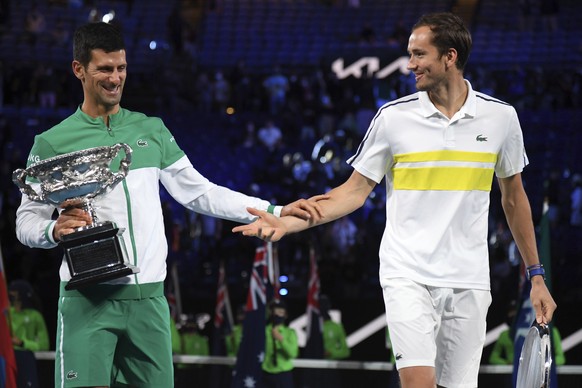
[
  {"x": 87, "y": 152},
  {"x": 43, "y": 169}
]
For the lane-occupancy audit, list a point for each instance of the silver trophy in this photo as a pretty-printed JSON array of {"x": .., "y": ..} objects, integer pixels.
[{"x": 96, "y": 252}]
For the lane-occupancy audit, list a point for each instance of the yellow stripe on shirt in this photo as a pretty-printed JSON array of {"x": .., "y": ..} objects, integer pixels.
[
  {"x": 443, "y": 178},
  {"x": 444, "y": 170}
]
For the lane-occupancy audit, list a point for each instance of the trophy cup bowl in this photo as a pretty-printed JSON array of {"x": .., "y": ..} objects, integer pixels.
[{"x": 96, "y": 252}]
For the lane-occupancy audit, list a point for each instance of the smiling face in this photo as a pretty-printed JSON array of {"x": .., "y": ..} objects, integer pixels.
[
  {"x": 427, "y": 64},
  {"x": 103, "y": 79}
]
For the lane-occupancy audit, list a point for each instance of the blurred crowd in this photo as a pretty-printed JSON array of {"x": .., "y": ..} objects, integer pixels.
[{"x": 285, "y": 134}]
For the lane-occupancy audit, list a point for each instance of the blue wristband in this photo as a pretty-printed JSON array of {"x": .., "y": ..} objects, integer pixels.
[{"x": 534, "y": 270}]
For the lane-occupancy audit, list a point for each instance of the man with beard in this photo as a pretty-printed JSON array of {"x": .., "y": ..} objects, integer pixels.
[{"x": 438, "y": 150}]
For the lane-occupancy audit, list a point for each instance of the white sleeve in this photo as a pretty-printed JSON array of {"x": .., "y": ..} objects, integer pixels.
[
  {"x": 34, "y": 223},
  {"x": 373, "y": 157},
  {"x": 512, "y": 158},
  {"x": 191, "y": 189}
]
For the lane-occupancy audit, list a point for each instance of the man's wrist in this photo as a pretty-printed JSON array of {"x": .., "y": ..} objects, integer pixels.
[
  {"x": 535, "y": 270},
  {"x": 275, "y": 210}
]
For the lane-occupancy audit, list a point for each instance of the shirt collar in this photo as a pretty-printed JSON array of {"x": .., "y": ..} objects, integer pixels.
[{"x": 468, "y": 109}]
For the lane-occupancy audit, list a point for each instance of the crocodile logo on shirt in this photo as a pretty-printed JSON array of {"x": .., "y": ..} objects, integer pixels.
[
  {"x": 398, "y": 356},
  {"x": 481, "y": 138},
  {"x": 142, "y": 143},
  {"x": 71, "y": 375}
]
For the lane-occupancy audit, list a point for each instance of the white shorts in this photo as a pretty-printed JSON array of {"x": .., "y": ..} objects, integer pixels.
[{"x": 440, "y": 327}]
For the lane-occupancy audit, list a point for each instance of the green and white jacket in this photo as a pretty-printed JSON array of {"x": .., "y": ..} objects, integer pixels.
[{"x": 134, "y": 204}]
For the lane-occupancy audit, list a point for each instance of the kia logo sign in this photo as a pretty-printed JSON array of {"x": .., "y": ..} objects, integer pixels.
[{"x": 368, "y": 67}]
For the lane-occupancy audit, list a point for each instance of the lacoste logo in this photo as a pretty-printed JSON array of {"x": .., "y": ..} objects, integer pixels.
[
  {"x": 142, "y": 143},
  {"x": 172, "y": 139},
  {"x": 481, "y": 138},
  {"x": 398, "y": 356},
  {"x": 71, "y": 375}
]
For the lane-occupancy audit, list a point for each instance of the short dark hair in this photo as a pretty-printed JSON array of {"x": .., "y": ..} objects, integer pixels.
[
  {"x": 92, "y": 36},
  {"x": 448, "y": 31}
]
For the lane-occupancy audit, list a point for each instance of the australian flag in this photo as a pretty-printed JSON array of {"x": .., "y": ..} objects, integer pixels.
[
  {"x": 223, "y": 324},
  {"x": 223, "y": 321},
  {"x": 314, "y": 337},
  {"x": 314, "y": 343},
  {"x": 251, "y": 353}
]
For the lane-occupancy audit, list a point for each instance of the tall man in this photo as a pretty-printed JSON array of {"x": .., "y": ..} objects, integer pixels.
[{"x": 438, "y": 150}]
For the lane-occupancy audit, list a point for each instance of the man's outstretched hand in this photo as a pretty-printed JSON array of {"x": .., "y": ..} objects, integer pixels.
[
  {"x": 267, "y": 226},
  {"x": 306, "y": 209}
]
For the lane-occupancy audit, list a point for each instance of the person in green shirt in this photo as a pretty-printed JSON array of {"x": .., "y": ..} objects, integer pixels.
[
  {"x": 29, "y": 331},
  {"x": 281, "y": 348},
  {"x": 335, "y": 346},
  {"x": 192, "y": 342},
  {"x": 334, "y": 335},
  {"x": 232, "y": 339}
]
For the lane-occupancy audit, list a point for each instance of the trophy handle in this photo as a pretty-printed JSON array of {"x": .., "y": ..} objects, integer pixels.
[
  {"x": 123, "y": 163},
  {"x": 19, "y": 178}
]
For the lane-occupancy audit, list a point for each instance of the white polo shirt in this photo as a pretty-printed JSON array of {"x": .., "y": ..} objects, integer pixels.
[{"x": 439, "y": 173}]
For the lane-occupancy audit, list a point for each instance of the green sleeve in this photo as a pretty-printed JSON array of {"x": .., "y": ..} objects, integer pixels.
[
  {"x": 36, "y": 338},
  {"x": 334, "y": 336},
  {"x": 232, "y": 341},
  {"x": 289, "y": 346},
  {"x": 502, "y": 353},
  {"x": 559, "y": 356},
  {"x": 170, "y": 149},
  {"x": 176, "y": 346}
]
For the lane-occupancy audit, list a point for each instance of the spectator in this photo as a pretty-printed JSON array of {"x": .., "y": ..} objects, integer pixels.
[
  {"x": 192, "y": 343},
  {"x": 343, "y": 235},
  {"x": 334, "y": 335},
  {"x": 281, "y": 348},
  {"x": 29, "y": 332},
  {"x": 276, "y": 85},
  {"x": 270, "y": 136},
  {"x": 232, "y": 340}
]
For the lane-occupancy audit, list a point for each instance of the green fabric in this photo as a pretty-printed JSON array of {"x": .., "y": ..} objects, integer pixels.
[
  {"x": 502, "y": 353},
  {"x": 81, "y": 131},
  {"x": 286, "y": 350},
  {"x": 232, "y": 341},
  {"x": 29, "y": 326},
  {"x": 559, "y": 356},
  {"x": 334, "y": 341},
  {"x": 114, "y": 291},
  {"x": 194, "y": 344},
  {"x": 138, "y": 330},
  {"x": 389, "y": 347},
  {"x": 175, "y": 334}
]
